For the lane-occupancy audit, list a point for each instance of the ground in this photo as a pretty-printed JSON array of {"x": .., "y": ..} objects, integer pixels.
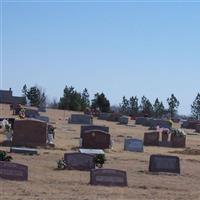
[{"x": 47, "y": 183}]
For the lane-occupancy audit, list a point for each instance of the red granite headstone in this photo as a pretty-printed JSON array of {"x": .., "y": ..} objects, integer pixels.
[
  {"x": 96, "y": 139},
  {"x": 29, "y": 133},
  {"x": 178, "y": 141},
  {"x": 151, "y": 138}
]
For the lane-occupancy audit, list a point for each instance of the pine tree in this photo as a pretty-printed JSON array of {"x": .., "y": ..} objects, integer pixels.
[
  {"x": 195, "y": 107},
  {"x": 173, "y": 105}
]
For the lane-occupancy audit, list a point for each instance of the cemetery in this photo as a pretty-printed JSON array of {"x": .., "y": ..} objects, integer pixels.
[{"x": 117, "y": 161}]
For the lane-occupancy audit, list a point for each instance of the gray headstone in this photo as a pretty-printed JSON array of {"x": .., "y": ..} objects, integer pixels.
[
  {"x": 81, "y": 119},
  {"x": 104, "y": 116},
  {"x": 79, "y": 161},
  {"x": 133, "y": 145},
  {"x": 162, "y": 163},
  {"x": 108, "y": 177},
  {"x": 43, "y": 118},
  {"x": 124, "y": 120},
  {"x": 13, "y": 171}
]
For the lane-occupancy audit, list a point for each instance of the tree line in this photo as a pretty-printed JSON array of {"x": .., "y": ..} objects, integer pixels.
[{"x": 80, "y": 101}]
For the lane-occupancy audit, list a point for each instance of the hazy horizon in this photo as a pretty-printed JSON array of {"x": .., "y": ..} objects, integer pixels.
[{"x": 119, "y": 48}]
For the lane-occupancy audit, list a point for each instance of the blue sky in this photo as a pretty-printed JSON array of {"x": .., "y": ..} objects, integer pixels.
[{"x": 119, "y": 48}]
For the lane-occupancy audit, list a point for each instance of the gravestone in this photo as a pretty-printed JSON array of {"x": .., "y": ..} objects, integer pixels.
[
  {"x": 162, "y": 163},
  {"x": 81, "y": 119},
  {"x": 29, "y": 133},
  {"x": 13, "y": 171},
  {"x": 79, "y": 161},
  {"x": 108, "y": 177},
  {"x": 28, "y": 151},
  {"x": 198, "y": 128},
  {"x": 42, "y": 118},
  {"x": 92, "y": 151},
  {"x": 104, "y": 116},
  {"x": 92, "y": 128},
  {"x": 178, "y": 141},
  {"x": 96, "y": 140},
  {"x": 133, "y": 145},
  {"x": 114, "y": 117},
  {"x": 140, "y": 120},
  {"x": 124, "y": 120},
  {"x": 31, "y": 113},
  {"x": 151, "y": 138}
]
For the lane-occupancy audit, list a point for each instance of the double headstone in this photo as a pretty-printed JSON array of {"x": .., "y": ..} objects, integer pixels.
[
  {"x": 29, "y": 133},
  {"x": 134, "y": 145},
  {"x": 96, "y": 140},
  {"x": 108, "y": 177},
  {"x": 81, "y": 119},
  {"x": 163, "y": 163}
]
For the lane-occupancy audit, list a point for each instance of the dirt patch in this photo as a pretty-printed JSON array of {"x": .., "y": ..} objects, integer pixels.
[{"x": 187, "y": 151}]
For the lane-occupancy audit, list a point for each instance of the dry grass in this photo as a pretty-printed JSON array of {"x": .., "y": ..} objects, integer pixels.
[{"x": 46, "y": 183}]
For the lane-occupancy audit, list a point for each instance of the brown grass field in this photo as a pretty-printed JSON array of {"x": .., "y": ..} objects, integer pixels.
[{"x": 46, "y": 183}]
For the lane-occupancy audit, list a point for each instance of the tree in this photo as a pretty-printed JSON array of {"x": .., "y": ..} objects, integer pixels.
[
  {"x": 134, "y": 107},
  {"x": 158, "y": 109},
  {"x": 195, "y": 107},
  {"x": 146, "y": 106},
  {"x": 35, "y": 95},
  {"x": 85, "y": 101},
  {"x": 71, "y": 99},
  {"x": 100, "y": 101},
  {"x": 124, "y": 106},
  {"x": 173, "y": 105}
]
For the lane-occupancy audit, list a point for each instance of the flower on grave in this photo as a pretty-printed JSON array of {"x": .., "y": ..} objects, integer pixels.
[
  {"x": 99, "y": 160},
  {"x": 4, "y": 156},
  {"x": 61, "y": 164},
  {"x": 178, "y": 132}
]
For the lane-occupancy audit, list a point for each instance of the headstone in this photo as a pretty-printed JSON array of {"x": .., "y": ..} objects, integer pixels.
[
  {"x": 92, "y": 151},
  {"x": 114, "y": 117},
  {"x": 162, "y": 163},
  {"x": 43, "y": 118},
  {"x": 24, "y": 150},
  {"x": 178, "y": 141},
  {"x": 29, "y": 133},
  {"x": 198, "y": 128},
  {"x": 96, "y": 140},
  {"x": 79, "y": 161},
  {"x": 92, "y": 128},
  {"x": 133, "y": 145},
  {"x": 124, "y": 120},
  {"x": 108, "y": 177},
  {"x": 104, "y": 116},
  {"x": 13, "y": 171},
  {"x": 151, "y": 139},
  {"x": 140, "y": 120},
  {"x": 31, "y": 113},
  {"x": 81, "y": 119}
]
